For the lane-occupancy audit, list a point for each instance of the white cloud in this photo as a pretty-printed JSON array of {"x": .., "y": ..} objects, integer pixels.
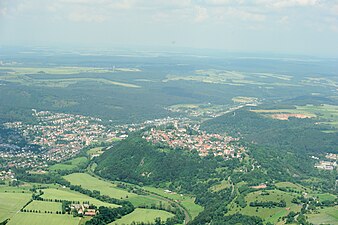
[
  {"x": 293, "y": 3},
  {"x": 201, "y": 14},
  {"x": 87, "y": 16},
  {"x": 3, "y": 11},
  {"x": 246, "y": 15},
  {"x": 284, "y": 20}
]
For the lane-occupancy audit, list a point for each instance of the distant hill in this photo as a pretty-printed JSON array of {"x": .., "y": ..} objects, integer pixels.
[
  {"x": 301, "y": 135},
  {"x": 137, "y": 161}
]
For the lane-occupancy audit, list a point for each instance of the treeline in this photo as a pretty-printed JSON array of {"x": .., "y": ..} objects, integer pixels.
[
  {"x": 268, "y": 204},
  {"x": 302, "y": 135},
  {"x": 107, "y": 215}
]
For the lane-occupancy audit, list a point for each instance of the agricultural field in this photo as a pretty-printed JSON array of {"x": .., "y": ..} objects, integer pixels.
[
  {"x": 36, "y": 76},
  {"x": 324, "y": 216},
  {"x": 235, "y": 78},
  {"x": 185, "y": 200},
  {"x": 292, "y": 186},
  {"x": 95, "y": 151},
  {"x": 66, "y": 194},
  {"x": 326, "y": 114},
  {"x": 44, "y": 206},
  {"x": 242, "y": 99},
  {"x": 11, "y": 203},
  {"x": 143, "y": 215},
  {"x": 268, "y": 214},
  {"x": 70, "y": 165},
  {"x": 218, "y": 187},
  {"x": 107, "y": 188},
  {"x": 324, "y": 197},
  {"x": 43, "y": 219}
]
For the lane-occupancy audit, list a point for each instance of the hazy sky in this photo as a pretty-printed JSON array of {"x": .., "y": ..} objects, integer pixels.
[{"x": 285, "y": 26}]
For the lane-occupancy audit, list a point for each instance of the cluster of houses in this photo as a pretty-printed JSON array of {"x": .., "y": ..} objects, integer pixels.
[
  {"x": 83, "y": 209},
  {"x": 326, "y": 165},
  {"x": 185, "y": 136},
  {"x": 61, "y": 135},
  {"x": 329, "y": 164},
  {"x": 7, "y": 175}
]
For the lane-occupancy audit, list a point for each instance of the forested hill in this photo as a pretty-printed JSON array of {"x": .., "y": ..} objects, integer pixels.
[
  {"x": 137, "y": 161},
  {"x": 302, "y": 135}
]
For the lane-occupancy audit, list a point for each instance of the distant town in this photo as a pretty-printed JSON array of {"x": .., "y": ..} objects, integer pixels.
[{"x": 61, "y": 136}]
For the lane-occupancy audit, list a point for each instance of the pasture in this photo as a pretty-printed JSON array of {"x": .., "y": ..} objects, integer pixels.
[
  {"x": 235, "y": 78},
  {"x": 326, "y": 114},
  {"x": 223, "y": 185},
  {"x": 44, "y": 206},
  {"x": 71, "y": 164},
  {"x": 66, "y": 194},
  {"x": 185, "y": 200},
  {"x": 43, "y": 219},
  {"x": 11, "y": 203},
  {"x": 45, "y": 76},
  {"x": 143, "y": 215},
  {"x": 324, "y": 216},
  {"x": 95, "y": 151},
  {"x": 268, "y": 214},
  {"x": 293, "y": 186},
  {"x": 107, "y": 188}
]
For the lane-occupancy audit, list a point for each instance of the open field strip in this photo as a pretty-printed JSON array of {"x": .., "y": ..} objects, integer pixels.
[
  {"x": 143, "y": 215},
  {"x": 268, "y": 214},
  {"x": 185, "y": 200},
  {"x": 53, "y": 70},
  {"x": 43, "y": 206},
  {"x": 23, "y": 218},
  {"x": 11, "y": 203},
  {"x": 324, "y": 216},
  {"x": 107, "y": 188},
  {"x": 66, "y": 194},
  {"x": 69, "y": 165}
]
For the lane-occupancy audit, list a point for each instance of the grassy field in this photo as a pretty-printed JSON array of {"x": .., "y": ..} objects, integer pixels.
[
  {"x": 95, "y": 151},
  {"x": 242, "y": 99},
  {"x": 20, "y": 75},
  {"x": 143, "y": 215},
  {"x": 324, "y": 196},
  {"x": 268, "y": 214},
  {"x": 69, "y": 165},
  {"x": 236, "y": 78},
  {"x": 324, "y": 216},
  {"x": 224, "y": 184},
  {"x": 292, "y": 186},
  {"x": 184, "y": 200},
  {"x": 10, "y": 203},
  {"x": 327, "y": 114},
  {"x": 106, "y": 188},
  {"x": 43, "y": 219},
  {"x": 66, "y": 194},
  {"x": 44, "y": 206}
]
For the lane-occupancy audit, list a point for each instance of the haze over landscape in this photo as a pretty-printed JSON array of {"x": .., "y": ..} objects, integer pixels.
[
  {"x": 281, "y": 26},
  {"x": 136, "y": 112}
]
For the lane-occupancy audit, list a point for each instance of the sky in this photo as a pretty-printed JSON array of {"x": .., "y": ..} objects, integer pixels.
[{"x": 269, "y": 26}]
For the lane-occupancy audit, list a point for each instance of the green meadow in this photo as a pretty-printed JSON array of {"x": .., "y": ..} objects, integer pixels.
[
  {"x": 188, "y": 202},
  {"x": 143, "y": 215},
  {"x": 43, "y": 219},
  {"x": 11, "y": 203},
  {"x": 324, "y": 216},
  {"x": 44, "y": 206},
  {"x": 268, "y": 214},
  {"x": 70, "y": 165},
  {"x": 20, "y": 75},
  {"x": 107, "y": 188},
  {"x": 66, "y": 194}
]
